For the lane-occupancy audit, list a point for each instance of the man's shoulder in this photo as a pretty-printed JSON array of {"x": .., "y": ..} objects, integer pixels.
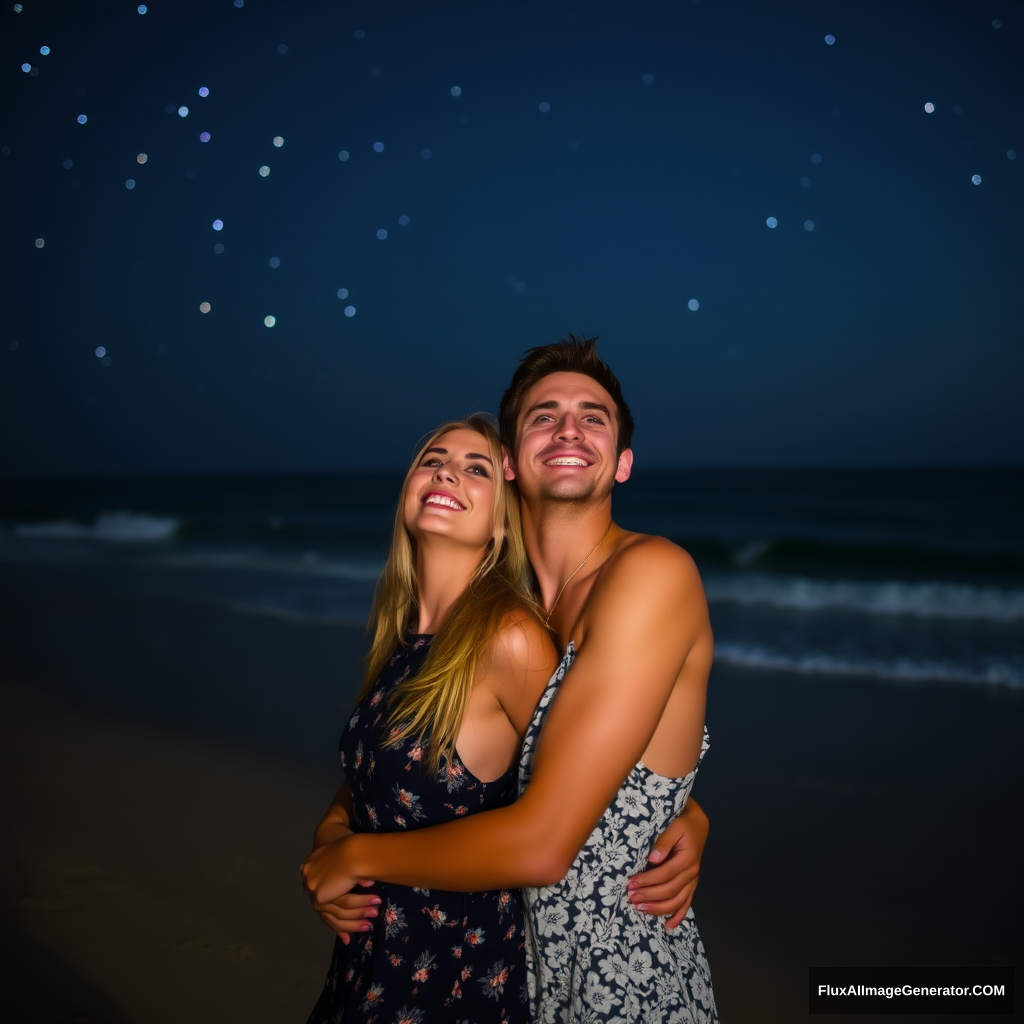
[
  {"x": 647, "y": 567},
  {"x": 647, "y": 553},
  {"x": 649, "y": 583}
]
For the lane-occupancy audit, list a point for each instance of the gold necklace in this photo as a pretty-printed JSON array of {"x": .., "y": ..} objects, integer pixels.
[{"x": 547, "y": 618}]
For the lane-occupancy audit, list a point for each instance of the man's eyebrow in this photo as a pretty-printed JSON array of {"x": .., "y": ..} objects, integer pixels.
[
  {"x": 469, "y": 455},
  {"x": 552, "y": 403}
]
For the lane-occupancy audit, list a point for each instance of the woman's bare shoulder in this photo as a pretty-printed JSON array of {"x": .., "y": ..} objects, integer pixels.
[
  {"x": 518, "y": 663},
  {"x": 521, "y": 638}
]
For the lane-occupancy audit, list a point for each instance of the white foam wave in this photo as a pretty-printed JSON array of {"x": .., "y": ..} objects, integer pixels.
[
  {"x": 927, "y": 600},
  {"x": 307, "y": 564},
  {"x": 294, "y": 615},
  {"x": 109, "y": 526},
  {"x": 997, "y": 671}
]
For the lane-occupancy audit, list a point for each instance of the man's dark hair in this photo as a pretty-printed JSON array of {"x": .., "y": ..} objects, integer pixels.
[{"x": 573, "y": 354}]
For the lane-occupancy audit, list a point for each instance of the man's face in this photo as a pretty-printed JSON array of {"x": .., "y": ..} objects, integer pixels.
[{"x": 566, "y": 440}]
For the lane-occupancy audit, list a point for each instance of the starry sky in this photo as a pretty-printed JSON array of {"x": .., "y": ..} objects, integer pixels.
[{"x": 263, "y": 236}]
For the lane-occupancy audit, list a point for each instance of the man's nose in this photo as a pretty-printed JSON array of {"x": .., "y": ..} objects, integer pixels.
[{"x": 568, "y": 428}]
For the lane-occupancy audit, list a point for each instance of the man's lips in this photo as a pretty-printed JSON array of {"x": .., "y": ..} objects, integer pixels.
[{"x": 442, "y": 499}]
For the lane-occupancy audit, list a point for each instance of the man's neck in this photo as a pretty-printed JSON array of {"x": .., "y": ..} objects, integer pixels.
[{"x": 559, "y": 536}]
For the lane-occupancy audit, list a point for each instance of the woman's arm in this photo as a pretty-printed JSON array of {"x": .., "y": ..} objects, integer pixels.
[
  {"x": 642, "y": 627},
  {"x": 350, "y": 913},
  {"x": 337, "y": 822}
]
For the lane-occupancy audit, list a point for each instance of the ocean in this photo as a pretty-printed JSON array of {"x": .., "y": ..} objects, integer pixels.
[{"x": 908, "y": 576}]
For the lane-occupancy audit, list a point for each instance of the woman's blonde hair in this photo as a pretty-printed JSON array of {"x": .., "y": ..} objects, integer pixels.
[{"x": 430, "y": 704}]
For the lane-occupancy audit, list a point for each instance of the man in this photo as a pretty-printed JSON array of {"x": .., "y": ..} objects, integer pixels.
[
  {"x": 619, "y": 745},
  {"x": 561, "y": 511},
  {"x": 634, "y": 608}
]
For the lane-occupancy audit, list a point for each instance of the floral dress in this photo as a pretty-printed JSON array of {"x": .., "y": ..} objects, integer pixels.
[
  {"x": 432, "y": 955},
  {"x": 592, "y": 955}
]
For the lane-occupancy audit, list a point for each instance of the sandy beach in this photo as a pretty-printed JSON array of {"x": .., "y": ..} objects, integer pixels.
[
  {"x": 164, "y": 762},
  {"x": 151, "y": 876}
]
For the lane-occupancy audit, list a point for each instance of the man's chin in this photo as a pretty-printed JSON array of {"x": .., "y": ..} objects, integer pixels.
[{"x": 569, "y": 491}]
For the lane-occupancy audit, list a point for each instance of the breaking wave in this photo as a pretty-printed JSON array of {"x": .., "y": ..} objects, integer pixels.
[
  {"x": 926, "y": 600},
  {"x": 994, "y": 672},
  {"x": 109, "y": 526},
  {"x": 303, "y": 564}
]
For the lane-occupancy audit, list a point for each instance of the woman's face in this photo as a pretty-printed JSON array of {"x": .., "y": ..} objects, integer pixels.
[{"x": 451, "y": 491}]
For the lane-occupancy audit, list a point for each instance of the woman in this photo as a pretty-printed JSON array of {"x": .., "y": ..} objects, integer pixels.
[{"x": 459, "y": 661}]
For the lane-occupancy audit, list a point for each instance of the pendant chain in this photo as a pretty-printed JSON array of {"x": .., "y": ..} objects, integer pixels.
[{"x": 547, "y": 618}]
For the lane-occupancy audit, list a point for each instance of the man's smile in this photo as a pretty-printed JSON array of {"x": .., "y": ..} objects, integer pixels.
[{"x": 562, "y": 457}]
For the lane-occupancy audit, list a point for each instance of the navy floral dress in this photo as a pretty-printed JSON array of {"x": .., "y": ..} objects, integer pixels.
[{"x": 432, "y": 956}]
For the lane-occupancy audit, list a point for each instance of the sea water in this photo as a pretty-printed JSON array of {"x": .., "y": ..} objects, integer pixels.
[{"x": 904, "y": 575}]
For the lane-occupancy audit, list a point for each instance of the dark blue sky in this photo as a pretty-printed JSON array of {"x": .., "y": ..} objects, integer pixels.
[{"x": 603, "y": 165}]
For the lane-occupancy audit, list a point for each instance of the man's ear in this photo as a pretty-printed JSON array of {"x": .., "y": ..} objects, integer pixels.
[
  {"x": 506, "y": 464},
  {"x": 625, "y": 466}
]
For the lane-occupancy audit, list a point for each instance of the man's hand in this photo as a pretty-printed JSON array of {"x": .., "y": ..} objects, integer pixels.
[
  {"x": 668, "y": 888},
  {"x": 349, "y": 914}
]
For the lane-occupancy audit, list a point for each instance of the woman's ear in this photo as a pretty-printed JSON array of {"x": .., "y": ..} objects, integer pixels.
[{"x": 506, "y": 464}]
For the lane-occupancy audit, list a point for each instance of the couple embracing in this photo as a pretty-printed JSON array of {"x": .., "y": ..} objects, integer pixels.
[{"x": 485, "y": 907}]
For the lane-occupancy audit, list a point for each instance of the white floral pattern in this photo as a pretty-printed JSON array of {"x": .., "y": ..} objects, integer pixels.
[{"x": 592, "y": 956}]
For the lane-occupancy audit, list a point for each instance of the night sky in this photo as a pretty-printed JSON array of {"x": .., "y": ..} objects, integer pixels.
[{"x": 782, "y": 249}]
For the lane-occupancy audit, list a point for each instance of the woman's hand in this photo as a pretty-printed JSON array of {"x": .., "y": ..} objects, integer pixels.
[
  {"x": 668, "y": 888},
  {"x": 350, "y": 914},
  {"x": 324, "y": 875}
]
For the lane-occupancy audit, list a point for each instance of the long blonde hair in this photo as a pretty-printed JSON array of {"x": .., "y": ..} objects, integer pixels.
[{"x": 431, "y": 703}]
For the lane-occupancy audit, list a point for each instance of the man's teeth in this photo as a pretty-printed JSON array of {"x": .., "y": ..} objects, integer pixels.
[
  {"x": 567, "y": 460},
  {"x": 439, "y": 499}
]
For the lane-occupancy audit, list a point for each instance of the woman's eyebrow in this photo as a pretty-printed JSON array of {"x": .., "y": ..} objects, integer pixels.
[{"x": 469, "y": 455}]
